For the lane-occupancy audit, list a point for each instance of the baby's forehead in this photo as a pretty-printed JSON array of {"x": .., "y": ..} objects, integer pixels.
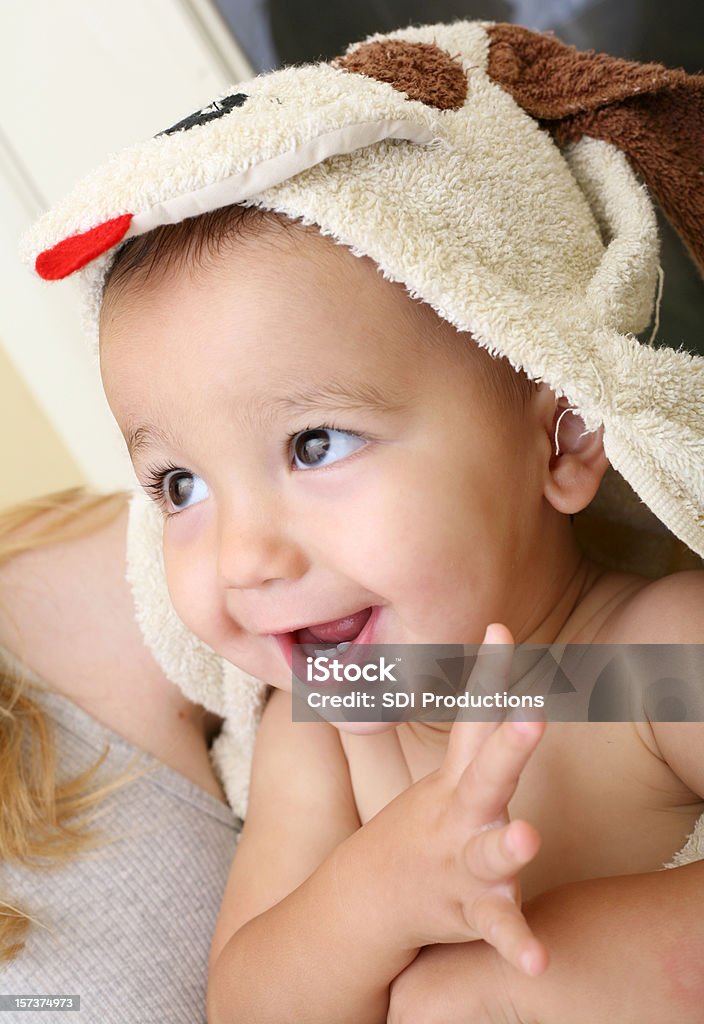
[
  {"x": 278, "y": 254},
  {"x": 270, "y": 308},
  {"x": 312, "y": 300}
]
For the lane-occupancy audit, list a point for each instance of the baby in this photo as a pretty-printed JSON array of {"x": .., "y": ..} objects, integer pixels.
[
  {"x": 331, "y": 455},
  {"x": 335, "y": 461}
]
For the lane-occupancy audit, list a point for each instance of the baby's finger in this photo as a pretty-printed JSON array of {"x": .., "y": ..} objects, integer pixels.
[
  {"x": 490, "y": 675},
  {"x": 496, "y": 854},
  {"x": 492, "y": 668},
  {"x": 499, "y": 921},
  {"x": 489, "y": 781},
  {"x": 464, "y": 742}
]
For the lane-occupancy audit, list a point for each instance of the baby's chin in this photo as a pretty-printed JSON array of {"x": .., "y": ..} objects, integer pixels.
[{"x": 364, "y": 728}]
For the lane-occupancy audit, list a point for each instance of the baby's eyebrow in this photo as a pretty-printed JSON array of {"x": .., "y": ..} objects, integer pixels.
[
  {"x": 141, "y": 438},
  {"x": 337, "y": 394}
]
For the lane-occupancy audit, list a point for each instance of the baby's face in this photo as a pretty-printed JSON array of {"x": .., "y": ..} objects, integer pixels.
[{"x": 325, "y": 449}]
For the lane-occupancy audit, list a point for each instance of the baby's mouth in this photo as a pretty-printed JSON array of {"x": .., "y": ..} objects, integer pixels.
[{"x": 335, "y": 635}]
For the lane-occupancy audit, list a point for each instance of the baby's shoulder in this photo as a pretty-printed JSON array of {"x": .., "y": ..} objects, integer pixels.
[{"x": 669, "y": 610}]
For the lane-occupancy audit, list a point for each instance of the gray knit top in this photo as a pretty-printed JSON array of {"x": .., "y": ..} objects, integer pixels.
[{"x": 127, "y": 926}]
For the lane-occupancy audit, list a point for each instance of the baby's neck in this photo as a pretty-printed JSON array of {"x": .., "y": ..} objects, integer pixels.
[{"x": 568, "y": 607}]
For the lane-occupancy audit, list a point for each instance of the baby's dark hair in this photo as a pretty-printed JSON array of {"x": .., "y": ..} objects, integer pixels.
[{"x": 191, "y": 242}]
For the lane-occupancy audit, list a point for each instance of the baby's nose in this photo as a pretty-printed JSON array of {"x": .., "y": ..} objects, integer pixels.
[{"x": 257, "y": 550}]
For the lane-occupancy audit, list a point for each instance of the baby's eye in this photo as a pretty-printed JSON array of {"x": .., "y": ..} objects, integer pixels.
[
  {"x": 183, "y": 489},
  {"x": 320, "y": 446},
  {"x": 176, "y": 490}
]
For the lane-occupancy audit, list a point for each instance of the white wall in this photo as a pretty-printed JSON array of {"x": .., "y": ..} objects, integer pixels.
[{"x": 79, "y": 79}]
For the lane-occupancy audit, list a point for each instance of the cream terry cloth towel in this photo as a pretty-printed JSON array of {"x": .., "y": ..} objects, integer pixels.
[{"x": 433, "y": 150}]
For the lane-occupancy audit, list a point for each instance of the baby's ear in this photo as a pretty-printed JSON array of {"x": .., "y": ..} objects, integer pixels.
[{"x": 577, "y": 463}]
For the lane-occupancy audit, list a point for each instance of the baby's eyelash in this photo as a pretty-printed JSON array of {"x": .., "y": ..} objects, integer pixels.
[
  {"x": 154, "y": 484},
  {"x": 317, "y": 426}
]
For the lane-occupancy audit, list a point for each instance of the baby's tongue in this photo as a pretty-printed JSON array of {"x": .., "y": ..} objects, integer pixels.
[{"x": 337, "y": 631}]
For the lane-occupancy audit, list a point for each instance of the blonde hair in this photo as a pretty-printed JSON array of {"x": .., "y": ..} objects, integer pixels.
[{"x": 43, "y": 822}]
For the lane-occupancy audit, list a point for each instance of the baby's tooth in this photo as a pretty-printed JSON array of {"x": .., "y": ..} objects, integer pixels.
[{"x": 340, "y": 648}]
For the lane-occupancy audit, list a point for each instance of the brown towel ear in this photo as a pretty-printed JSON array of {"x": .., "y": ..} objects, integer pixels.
[{"x": 653, "y": 114}]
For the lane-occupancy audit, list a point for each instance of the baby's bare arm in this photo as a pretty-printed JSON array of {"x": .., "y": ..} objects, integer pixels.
[
  {"x": 297, "y": 938},
  {"x": 625, "y": 949},
  {"x": 308, "y": 890},
  {"x": 635, "y": 955}
]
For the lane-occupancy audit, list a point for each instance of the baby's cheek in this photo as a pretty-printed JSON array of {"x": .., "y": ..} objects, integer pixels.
[{"x": 191, "y": 578}]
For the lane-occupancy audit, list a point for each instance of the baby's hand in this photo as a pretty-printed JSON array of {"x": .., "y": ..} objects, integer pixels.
[{"x": 455, "y": 858}]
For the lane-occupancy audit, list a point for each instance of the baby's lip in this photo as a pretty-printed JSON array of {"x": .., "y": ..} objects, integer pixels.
[
  {"x": 356, "y": 618},
  {"x": 344, "y": 629}
]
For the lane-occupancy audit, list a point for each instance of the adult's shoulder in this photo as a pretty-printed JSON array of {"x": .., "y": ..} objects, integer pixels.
[
  {"x": 66, "y": 607},
  {"x": 66, "y": 613}
]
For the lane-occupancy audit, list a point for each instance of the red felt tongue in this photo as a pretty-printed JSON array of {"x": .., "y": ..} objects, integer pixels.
[{"x": 337, "y": 631}]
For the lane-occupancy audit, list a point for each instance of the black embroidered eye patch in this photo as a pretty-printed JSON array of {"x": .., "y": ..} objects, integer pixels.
[{"x": 214, "y": 110}]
